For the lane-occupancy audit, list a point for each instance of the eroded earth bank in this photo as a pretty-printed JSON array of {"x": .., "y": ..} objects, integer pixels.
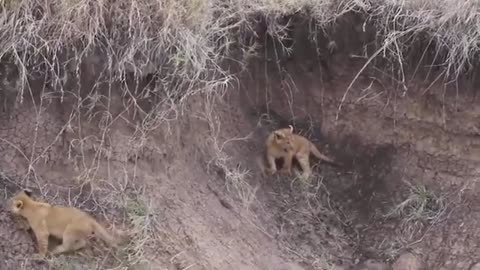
[{"x": 186, "y": 180}]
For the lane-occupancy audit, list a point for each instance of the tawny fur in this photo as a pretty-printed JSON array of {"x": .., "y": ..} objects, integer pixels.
[
  {"x": 70, "y": 224},
  {"x": 283, "y": 143}
]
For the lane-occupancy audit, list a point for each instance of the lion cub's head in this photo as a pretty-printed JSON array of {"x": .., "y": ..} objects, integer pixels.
[
  {"x": 18, "y": 201},
  {"x": 284, "y": 138}
]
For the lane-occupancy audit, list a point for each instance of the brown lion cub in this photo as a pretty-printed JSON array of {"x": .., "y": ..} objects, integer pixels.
[
  {"x": 70, "y": 224},
  {"x": 283, "y": 143}
]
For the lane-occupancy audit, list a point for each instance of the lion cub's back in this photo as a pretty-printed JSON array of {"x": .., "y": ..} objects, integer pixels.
[
  {"x": 59, "y": 217},
  {"x": 301, "y": 143}
]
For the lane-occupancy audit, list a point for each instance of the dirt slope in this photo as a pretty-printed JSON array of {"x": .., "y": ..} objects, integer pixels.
[{"x": 181, "y": 221}]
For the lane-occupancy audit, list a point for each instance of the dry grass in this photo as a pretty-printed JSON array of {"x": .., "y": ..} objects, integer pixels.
[
  {"x": 235, "y": 176},
  {"x": 307, "y": 209},
  {"x": 417, "y": 214},
  {"x": 185, "y": 41},
  {"x": 421, "y": 205}
]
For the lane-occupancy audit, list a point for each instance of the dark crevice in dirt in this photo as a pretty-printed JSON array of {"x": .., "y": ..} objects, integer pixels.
[
  {"x": 370, "y": 167},
  {"x": 343, "y": 198}
]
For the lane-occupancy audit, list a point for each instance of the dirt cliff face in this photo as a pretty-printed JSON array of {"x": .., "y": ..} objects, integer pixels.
[
  {"x": 409, "y": 154},
  {"x": 189, "y": 185}
]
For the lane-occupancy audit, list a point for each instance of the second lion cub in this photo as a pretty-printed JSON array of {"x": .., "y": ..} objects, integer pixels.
[
  {"x": 70, "y": 224},
  {"x": 283, "y": 143}
]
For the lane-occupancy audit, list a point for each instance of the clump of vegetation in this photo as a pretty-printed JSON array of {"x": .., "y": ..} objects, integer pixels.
[
  {"x": 184, "y": 42},
  {"x": 418, "y": 213},
  {"x": 421, "y": 206}
]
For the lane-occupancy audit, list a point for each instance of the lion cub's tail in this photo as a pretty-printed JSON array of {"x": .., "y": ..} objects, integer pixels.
[
  {"x": 101, "y": 232},
  {"x": 319, "y": 155}
]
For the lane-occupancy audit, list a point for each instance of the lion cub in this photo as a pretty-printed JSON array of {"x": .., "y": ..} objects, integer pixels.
[
  {"x": 283, "y": 143},
  {"x": 70, "y": 224}
]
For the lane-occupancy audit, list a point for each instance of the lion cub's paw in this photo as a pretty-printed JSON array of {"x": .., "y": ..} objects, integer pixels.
[
  {"x": 38, "y": 257},
  {"x": 270, "y": 171}
]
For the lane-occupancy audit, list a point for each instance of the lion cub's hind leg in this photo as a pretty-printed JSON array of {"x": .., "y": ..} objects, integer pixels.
[
  {"x": 304, "y": 162},
  {"x": 72, "y": 240},
  {"x": 69, "y": 245}
]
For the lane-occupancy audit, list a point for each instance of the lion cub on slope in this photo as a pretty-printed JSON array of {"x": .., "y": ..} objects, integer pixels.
[
  {"x": 70, "y": 224},
  {"x": 283, "y": 143}
]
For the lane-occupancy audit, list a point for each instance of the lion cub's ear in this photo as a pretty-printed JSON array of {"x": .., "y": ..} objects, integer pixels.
[
  {"x": 18, "y": 204},
  {"x": 291, "y": 128},
  {"x": 278, "y": 135},
  {"x": 28, "y": 192}
]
